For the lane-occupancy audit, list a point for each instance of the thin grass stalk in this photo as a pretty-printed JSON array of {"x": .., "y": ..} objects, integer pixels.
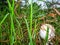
[
  {"x": 4, "y": 19},
  {"x": 12, "y": 28},
  {"x": 31, "y": 17},
  {"x": 29, "y": 33},
  {"x": 13, "y": 4},
  {"x": 31, "y": 42},
  {"x": 9, "y": 4},
  {"x": 12, "y": 16},
  {"x": 46, "y": 38},
  {"x": 12, "y": 32}
]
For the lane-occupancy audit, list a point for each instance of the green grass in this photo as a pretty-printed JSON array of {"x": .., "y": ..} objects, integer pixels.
[
  {"x": 4, "y": 19},
  {"x": 30, "y": 28},
  {"x": 25, "y": 30},
  {"x": 1, "y": 25},
  {"x": 12, "y": 30},
  {"x": 31, "y": 42},
  {"x": 46, "y": 38}
]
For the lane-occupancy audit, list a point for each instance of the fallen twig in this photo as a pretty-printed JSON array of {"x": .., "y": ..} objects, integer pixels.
[
  {"x": 4, "y": 41},
  {"x": 56, "y": 11}
]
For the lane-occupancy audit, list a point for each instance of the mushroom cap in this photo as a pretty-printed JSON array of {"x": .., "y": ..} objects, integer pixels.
[{"x": 43, "y": 31}]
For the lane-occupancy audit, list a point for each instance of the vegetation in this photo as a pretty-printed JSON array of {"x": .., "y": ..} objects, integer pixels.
[{"x": 20, "y": 25}]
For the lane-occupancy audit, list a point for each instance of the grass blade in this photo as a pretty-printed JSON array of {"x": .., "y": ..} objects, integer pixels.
[
  {"x": 47, "y": 32},
  {"x": 4, "y": 19},
  {"x": 29, "y": 32},
  {"x": 12, "y": 31}
]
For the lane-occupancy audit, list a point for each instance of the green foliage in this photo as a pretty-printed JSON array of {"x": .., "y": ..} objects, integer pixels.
[{"x": 23, "y": 29}]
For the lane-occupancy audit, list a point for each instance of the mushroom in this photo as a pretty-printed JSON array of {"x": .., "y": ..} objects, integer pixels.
[{"x": 43, "y": 31}]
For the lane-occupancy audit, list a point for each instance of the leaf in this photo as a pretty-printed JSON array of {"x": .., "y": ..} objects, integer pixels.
[
  {"x": 47, "y": 32},
  {"x": 4, "y": 19}
]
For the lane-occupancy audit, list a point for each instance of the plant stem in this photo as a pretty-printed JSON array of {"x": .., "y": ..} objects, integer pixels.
[
  {"x": 46, "y": 38},
  {"x": 12, "y": 31},
  {"x": 31, "y": 42}
]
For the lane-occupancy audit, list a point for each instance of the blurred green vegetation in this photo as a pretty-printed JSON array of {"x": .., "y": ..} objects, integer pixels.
[{"x": 21, "y": 23}]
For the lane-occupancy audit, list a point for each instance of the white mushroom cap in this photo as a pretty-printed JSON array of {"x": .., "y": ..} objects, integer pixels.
[{"x": 43, "y": 31}]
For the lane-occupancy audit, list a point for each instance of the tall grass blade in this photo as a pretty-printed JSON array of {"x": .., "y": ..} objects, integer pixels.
[
  {"x": 4, "y": 19},
  {"x": 31, "y": 17},
  {"x": 47, "y": 34},
  {"x": 9, "y": 4},
  {"x": 12, "y": 31},
  {"x": 29, "y": 32},
  {"x": 31, "y": 42}
]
